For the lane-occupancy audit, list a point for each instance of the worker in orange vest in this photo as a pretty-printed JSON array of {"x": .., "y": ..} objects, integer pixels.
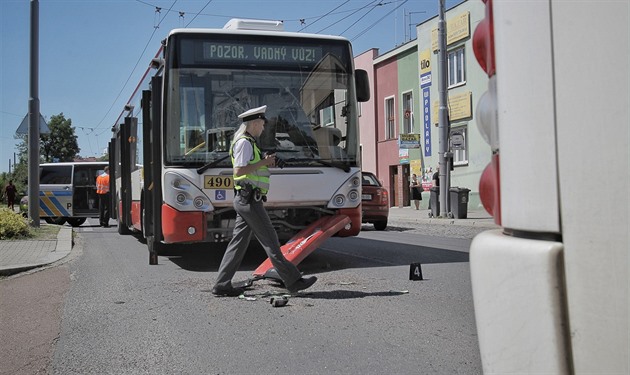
[{"x": 102, "y": 189}]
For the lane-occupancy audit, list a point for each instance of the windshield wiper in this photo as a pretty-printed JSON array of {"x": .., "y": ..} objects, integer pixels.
[
  {"x": 211, "y": 164},
  {"x": 274, "y": 150},
  {"x": 343, "y": 166}
]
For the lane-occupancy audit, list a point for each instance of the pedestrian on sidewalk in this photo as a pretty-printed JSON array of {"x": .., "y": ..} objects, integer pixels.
[
  {"x": 102, "y": 189},
  {"x": 10, "y": 191},
  {"x": 416, "y": 192},
  {"x": 251, "y": 180},
  {"x": 436, "y": 181}
]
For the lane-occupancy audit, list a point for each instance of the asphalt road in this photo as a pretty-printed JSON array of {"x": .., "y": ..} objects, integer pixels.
[{"x": 118, "y": 315}]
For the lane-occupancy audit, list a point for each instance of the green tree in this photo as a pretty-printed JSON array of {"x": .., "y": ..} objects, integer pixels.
[
  {"x": 19, "y": 175},
  {"x": 61, "y": 143}
]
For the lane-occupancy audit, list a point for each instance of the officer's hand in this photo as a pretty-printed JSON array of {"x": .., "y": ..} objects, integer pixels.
[{"x": 270, "y": 160}]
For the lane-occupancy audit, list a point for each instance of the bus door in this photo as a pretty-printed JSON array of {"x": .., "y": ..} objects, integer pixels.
[
  {"x": 84, "y": 198},
  {"x": 125, "y": 141},
  {"x": 55, "y": 191},
  {"x": 152, "y": 153}
]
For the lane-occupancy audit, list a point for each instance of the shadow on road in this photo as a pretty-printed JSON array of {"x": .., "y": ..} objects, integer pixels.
[
  {"x": 347, "y": 294},
  {"x": 335, "y": 254}
]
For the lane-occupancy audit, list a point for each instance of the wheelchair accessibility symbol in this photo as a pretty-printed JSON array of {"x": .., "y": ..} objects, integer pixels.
[{"x": 219, "y": 195}]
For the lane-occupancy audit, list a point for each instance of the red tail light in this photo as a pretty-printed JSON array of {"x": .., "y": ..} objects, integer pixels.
[
  {"x": 483, "y": 41},
  {"x": 383, "y": 194},
  {"x": 490, "y": 189},
  {"x": 486, "y": 115}
]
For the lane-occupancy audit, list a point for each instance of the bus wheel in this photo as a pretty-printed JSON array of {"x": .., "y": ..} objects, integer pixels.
[
  {"x": 76, "y": 221},
  {"x": 55, "y": 220}
]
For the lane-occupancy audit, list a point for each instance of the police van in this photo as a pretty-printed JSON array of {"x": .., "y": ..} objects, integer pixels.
[{"x": 67, "y": 192}]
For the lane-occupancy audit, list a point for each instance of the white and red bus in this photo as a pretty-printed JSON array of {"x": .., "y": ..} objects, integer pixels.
[
  {"x": 550, "y": 287},
  {"x": 171, "y": 149}
]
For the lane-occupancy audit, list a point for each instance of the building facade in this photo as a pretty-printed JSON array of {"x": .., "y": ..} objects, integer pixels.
[{"x": 399, "y": 125}]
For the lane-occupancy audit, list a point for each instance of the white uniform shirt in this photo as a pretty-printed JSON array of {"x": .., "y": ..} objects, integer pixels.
[{"x": 243, "y": 152}]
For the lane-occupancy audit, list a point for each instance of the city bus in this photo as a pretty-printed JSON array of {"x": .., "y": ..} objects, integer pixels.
[
  {"x": 171, "y": 142},
  {"x": 550, "y": 288},
  {"x": 67, "y": 191}
]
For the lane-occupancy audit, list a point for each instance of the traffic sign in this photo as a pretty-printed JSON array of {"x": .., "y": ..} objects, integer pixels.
[{"x": 43, "y": 126}]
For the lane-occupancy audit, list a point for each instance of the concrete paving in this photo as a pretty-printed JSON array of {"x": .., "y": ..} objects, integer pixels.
[{"x": 21, "y": 255}]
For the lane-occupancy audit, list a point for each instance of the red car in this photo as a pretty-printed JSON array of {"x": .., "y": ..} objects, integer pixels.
[{"x": 374, "y": 201}]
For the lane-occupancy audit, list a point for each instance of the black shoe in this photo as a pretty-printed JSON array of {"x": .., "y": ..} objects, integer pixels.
[
  {"x": 225, "y": 291},
  {"x": 302, "y": 283}
]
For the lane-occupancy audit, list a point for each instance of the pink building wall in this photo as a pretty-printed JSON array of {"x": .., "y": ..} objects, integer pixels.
[
  {"x": 386, "y": 86},
  {"x": 367, "y": 121}
]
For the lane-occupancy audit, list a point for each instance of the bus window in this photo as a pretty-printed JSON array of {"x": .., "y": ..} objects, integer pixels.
[{"x": 56, "y": 175}]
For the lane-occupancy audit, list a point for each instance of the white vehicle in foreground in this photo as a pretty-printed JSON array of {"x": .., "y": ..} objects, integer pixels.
[{"x": 550, "y": 288}]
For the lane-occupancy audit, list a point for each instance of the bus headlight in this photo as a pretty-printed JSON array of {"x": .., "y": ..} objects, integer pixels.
[
  {"x": 353, "y": 195},
  {"x": 339, "y": 200},
  {"x": 349, "y": 194},
  {"x": 199, "y": 202},
  {"x": 183, "y": 194}
]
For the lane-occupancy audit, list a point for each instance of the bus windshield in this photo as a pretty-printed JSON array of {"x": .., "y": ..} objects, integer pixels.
[{"x": 308, "y": 88}]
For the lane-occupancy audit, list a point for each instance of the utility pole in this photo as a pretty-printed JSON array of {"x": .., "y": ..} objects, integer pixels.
[
  {"x": 444, "y": 126},
  {"x": 33, "y": 120}
]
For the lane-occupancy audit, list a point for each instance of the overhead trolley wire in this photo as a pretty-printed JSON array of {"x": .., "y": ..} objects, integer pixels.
[
  {"x": 339, "y": 6},
  {"x": 204, "y": 7},
  {"x": 134, "y": 68},
  {"x": 360, "y": 34},
  {"x": 352, "y": 14}
]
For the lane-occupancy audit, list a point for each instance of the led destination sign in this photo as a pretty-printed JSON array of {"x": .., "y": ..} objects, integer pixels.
[{"x": 260, "y": 53}]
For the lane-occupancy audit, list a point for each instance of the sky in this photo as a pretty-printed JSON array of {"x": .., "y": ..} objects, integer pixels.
[{"x": 92, "y": 53}]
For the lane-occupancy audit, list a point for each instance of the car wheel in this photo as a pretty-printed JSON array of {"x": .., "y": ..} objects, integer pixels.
[
  {"x": 55, "y": 220},
  {"x": 380, "y": 225},
  {"x": 76, "y": 221}
]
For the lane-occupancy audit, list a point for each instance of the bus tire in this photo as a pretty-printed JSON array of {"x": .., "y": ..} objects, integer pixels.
[{"x": 76, "y": 221}]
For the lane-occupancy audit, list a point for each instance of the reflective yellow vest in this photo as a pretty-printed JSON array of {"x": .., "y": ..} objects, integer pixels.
[{"x": 258, "y": 178}]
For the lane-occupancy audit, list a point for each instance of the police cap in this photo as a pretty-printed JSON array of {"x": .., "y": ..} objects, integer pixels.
[{"x": 253, "y": 114}]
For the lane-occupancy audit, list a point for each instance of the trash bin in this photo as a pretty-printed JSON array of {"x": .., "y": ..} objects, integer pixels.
[
  {"x": 434, "y": 201},
  {"x": 459, "y": 202}
]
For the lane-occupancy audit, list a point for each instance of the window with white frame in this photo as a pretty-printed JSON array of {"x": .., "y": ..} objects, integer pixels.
[
  {"x": 460, "y": 157},
  {"x": 456, "y": 67},
  {"x": 390, "y": 119},
  {"x": 328, "y": 116},
  {"x": 407, "y": 113}
]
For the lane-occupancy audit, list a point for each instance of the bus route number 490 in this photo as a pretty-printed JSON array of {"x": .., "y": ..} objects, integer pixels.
[{"x": 218, "y": 182}]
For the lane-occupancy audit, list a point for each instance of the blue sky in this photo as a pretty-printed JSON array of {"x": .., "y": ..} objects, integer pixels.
[{"x": 93, "y": 52}]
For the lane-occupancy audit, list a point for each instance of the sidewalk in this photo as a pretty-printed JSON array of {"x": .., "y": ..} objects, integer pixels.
[
  {"x": 22, "y": 255},
  {"x": 474, "y": 217}
]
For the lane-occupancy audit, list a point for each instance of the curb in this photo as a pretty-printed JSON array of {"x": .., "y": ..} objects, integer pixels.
[
  {"x": 62, "y": 249},
  {"x": 449, "y": 221},
  {"x": 475, "y": 219}
]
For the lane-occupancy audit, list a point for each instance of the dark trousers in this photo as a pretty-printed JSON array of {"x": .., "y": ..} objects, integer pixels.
[
  {"x": 252, "y": 219},
  {"x": 103, "y": 209}
]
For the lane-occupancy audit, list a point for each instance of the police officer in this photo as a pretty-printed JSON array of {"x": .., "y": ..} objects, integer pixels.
[{"x": 251, "y": 180}]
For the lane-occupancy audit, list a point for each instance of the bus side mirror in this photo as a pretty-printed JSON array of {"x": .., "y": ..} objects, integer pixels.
[{"x": 363, "y": 85}]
